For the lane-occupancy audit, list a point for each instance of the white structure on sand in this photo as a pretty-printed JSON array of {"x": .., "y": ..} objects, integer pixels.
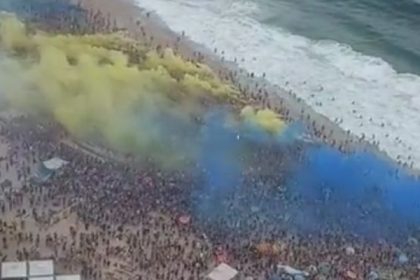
[
  {"x": 32, "y": 270},
  {"x": 47, "y": 168},
  {"x": 222, "y": 272}
]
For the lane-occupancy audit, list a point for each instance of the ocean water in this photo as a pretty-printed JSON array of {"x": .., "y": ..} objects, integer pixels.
[
  {"x": 357, "y": 62},
  {"x": 34, "y": 10}
]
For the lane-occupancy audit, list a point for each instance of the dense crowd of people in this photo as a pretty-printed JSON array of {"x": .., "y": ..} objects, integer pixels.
[
  {"x": 110, "y": 217},
  {"x": 127, "y": 218}
]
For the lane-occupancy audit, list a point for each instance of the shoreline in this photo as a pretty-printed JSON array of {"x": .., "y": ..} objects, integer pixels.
[{"x": 139, "y": 22}]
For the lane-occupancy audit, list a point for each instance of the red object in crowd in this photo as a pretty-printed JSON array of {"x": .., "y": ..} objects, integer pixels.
[{"x": 221, "y": 255}]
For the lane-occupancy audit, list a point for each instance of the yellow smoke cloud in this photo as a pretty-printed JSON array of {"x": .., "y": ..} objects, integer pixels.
[
  {"x": 106, "y": 86},
  {"x": 113, "y": 88},
  {"x": 13, "y": 32},
  {"x": 265, "y": 118}
]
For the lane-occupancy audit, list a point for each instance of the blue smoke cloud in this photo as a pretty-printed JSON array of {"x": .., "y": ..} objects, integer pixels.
[
  {"x": 320, "y": 190},
  {"x": 219, "y": 163},
  {"x": 358, "y": 193},
  {"x": 227, "y": 154}
]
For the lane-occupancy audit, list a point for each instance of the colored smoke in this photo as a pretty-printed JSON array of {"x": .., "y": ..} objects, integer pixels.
[
  {"x": 113, "y": 90},
  {"x": 219, "y": 162},
  {"x": 359, "y": 193},
  {"x": 265, "y": 118}
]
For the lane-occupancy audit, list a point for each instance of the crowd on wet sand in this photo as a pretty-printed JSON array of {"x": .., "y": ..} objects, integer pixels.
[{"x": 109, "y": 220}]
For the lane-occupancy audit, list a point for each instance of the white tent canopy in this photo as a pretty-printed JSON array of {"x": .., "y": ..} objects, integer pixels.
[
  {"x": 292, "y": 271},
  {"x": 68, "y": 277},
  {"x": 41, "y": 268},
  {"x": 55, "y": 163},
  {"x": 32, "y": 270},
  {"x": 222, "y": 272},
  {"x": 10, "y": 270},
  {"x": 47, "y": 168}
]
